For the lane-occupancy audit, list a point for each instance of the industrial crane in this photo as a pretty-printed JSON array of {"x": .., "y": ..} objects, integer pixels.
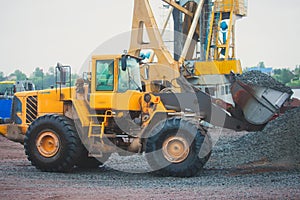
[{"x": 204, "y": 43}]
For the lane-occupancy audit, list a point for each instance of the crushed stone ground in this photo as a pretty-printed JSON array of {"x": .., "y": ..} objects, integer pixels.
[
  {"x": 277, "y": 144},
  {"x": 257, "y": 165}
]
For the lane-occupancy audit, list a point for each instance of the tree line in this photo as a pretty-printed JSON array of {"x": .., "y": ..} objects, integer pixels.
[
  {"x": 286, "y": 76},
  {"x": 45, "y": 80},
  {"x": 41, "y": 79}
]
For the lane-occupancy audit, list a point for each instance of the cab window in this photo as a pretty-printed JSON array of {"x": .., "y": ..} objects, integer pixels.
[
  {"x": 130, "y": 78},
  {"x": 105, "y": 75}
]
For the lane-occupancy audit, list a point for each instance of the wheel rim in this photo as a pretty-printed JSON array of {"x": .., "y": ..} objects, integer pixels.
[
  {"x": 47, "y": 144},
  {"x": 175, "y": 149}
]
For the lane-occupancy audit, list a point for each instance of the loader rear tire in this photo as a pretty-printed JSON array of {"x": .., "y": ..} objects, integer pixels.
[
  {"x": 52, "y": 144},
  {"x": 177, "y": 148}
]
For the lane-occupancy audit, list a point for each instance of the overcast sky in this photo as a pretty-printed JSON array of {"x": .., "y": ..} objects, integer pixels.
[{"x": 39, "y": 33}]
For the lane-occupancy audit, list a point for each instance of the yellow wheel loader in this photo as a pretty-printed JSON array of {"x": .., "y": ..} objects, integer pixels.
[
  {"x": 127, "y": 106},
  {"x": 112, "y": 113}
]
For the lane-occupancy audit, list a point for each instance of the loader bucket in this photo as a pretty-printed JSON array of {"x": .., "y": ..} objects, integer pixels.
[{"x": 259, "y": 96}]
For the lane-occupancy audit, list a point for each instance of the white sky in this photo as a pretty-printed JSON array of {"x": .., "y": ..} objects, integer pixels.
[{"x": 39, "y": 33}]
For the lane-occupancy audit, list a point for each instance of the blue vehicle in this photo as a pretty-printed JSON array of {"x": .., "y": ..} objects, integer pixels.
[{"x": 7, "y": 90}]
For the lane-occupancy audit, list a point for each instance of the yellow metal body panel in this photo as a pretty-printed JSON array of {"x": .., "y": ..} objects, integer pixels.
[
  {"x": 101, "y": 100},
  {"x": 3, "y": 129},
  {"x": 82, "y": 111},
  {"x": 218, "y": 67},
  {"x": 128, "y": 100},
  {"x": 22, "y": 96},
  {"x": 49, "y": 101}
]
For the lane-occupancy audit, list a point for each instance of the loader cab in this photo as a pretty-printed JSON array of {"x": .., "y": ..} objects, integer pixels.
[{"x": 114, "y": 78}]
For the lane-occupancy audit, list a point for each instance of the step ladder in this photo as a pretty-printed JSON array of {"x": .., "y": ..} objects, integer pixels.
[
  {"x": 94, "y": 123},
  {"x": 220, "y": 43},
  {"x": 96, "y": 148}
]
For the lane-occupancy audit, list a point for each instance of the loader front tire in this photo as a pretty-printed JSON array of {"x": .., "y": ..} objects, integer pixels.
[
  {"x": 177, "y": 147},
  {"x": 52, "y": 144}
]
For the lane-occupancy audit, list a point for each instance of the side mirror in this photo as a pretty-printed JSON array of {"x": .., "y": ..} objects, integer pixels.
[{"x": 124, "y": 62}]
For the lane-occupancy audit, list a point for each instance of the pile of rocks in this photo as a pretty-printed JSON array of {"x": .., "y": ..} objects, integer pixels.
[
  {"x": 277, "y": 144},
  {"x": 257, "y": 78}
]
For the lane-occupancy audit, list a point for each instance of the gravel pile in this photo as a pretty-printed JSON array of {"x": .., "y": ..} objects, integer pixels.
[
  {"x": 21, "y": 180},
  {"x": 257, "y": 78},
  {"x": 277, "y": 144}
]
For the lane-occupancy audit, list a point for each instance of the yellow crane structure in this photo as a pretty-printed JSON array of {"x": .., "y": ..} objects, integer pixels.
[{"x": 204, "y": 43}]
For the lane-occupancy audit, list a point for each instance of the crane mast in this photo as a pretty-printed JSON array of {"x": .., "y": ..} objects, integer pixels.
[
  {"x": 204, "y": 43},
  {"x": 214, "y": 56},
  {"x": 214, "y": 37},
  {"x": 220, "y": 43}
]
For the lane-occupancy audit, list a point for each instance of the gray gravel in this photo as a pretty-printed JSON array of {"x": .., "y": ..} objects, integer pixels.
[
  {"x": 20, "y": 180},
  {"x": 277, "y": 144},
  {"x": 257, "y": 78},
  {"x": 242, "y": 166}
]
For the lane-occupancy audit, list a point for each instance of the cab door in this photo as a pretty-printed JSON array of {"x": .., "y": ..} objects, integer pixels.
[{"x": 103, "y": 82}]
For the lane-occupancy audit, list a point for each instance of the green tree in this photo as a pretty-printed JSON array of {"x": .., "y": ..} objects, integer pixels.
[
  {"x": 277, "y": 71},
  {"x": 18, "y": 75},
  {"x": 283, "y": 75},
  {"x": 38, "y": 72},
  {"x": 261, "y": 65},
  {"x": 297, "y": 72},
  {"x": 2, "y": 77},
  {"x": 49, "y": 78},
  {"x": 286, "y": 76},
  {"x": 295, "y": 83},
  {"x": 37, "y": 78}
]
